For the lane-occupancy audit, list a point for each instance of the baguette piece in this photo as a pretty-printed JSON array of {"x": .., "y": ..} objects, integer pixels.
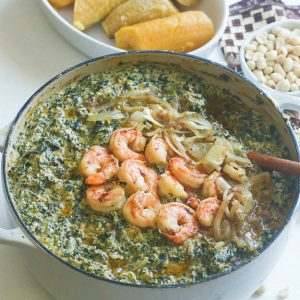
[
  {"x": 60, "y": 3},
  {"x": 89, "y": 12},
  {"x": 187, "y": 2},
  {"x": 183, "y": 32},
  {"x": 137, "y": 11}
]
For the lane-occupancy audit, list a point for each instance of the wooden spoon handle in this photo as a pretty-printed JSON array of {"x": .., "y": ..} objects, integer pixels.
[{"x": 274, "y": 163}]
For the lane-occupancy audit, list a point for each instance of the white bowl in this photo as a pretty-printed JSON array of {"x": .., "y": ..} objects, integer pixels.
[
  {"x": 94, "y": 41},
  {"x": 290, "y": 24}
]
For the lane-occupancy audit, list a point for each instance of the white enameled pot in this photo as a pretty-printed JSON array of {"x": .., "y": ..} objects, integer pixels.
[{"x": 67, "y": 283}]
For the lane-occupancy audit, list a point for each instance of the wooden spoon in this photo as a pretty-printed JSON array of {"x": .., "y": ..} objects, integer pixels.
[{"x": 275, "y": 163}]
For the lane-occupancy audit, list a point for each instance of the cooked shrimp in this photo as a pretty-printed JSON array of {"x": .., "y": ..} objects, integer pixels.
[
  {"x": 127, "y": 144},
  {"x": 141, "y": 209},
  {"x": 98, "y": 165},
  {"x": 169, "y": 187},
  {"x": 138, "y": 176},
  {"x": 185, "y": 173},
  {"x": 207, "y": 210},
  {"x": 105, "y": 198},
  {"x": 193, "y": 201},
  {"x": 157, "y": 150},
  {"x": 214, "y": 185},
  {"x": 177, "y": 222}
]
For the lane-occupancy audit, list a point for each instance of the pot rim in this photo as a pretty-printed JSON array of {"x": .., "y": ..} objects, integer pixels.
[{"x": 158, "y": 52}]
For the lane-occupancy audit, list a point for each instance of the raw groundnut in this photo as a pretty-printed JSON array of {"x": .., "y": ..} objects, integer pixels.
[
  {"x": 274, "y": 58},
  {"x": 251, "y": 64},
  {"x": 261, "y": 63},
  {"x": 296, "y": 50},
  {"x": 278, "y": 69},
  {"x": 268, "y": 70},
  {"x": 272, "y": 55},
  {"x": 259, "y": 75},
  {"x": 288, "y": 64},
  {"x": 294, "y": 87},
  {"x": 270, "y": 83},
  {"x": 292, "y": 77},
  {"x": 283, "y": 85},
  {"x": 277, "y": 77}
]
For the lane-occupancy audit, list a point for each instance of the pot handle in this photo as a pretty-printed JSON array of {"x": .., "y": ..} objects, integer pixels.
[
  {"x": 15, "y": 236},
  {"x": 3, "y": 135},
  {"x": 293, "y": 103}
]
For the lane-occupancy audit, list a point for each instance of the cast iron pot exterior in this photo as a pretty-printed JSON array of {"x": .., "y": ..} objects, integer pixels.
[{"x": 66, "y": 282}]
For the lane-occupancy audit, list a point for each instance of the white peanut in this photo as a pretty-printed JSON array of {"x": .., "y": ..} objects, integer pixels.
[
  {"x": 274, "y": 58},
  {"x": 280, "y": 59},
  {"x": 283, "y": 85},
  {"x": 276, "y": 77},
  {"x": 291, "y": 77},
  {"x": 294, "y": 87},
  {"x": 261, "y": 63},
  {"x": 280, "y": 42},
  {"x": 268, "y": 70},
  {"x": 251, "y": 64},
  {"x": 260, "y": 76},
  {"x": 262, "y": 49},
  {"x": 249, "y": 54},
  {"x": 271, "y": 55},
  {"x": 279, "y": 69},
  {"x": 271, "y": 37},
  {"x": 251, "y": 47},
  {"x": 296, "y": 50},
  {"x": 288, "y": 65},
  {"x": 294, "y": 40},
  {"x": 261, "y": 39},
  {"x": 270, "y": 83},
  {"x": 270, "y": 46},
  {"x": 296, "y": 70}
]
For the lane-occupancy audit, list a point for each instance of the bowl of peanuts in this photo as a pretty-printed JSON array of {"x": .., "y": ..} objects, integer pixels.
[{"x": 271, "y": 57}]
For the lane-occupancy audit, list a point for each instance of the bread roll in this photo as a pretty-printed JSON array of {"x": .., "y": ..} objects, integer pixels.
[
  {"x": 187, "y": 2},
  {"x": 89, "y": 12},
  {"x": 137, "y": 11},
  {"x": 60, "y": 3},
  {"x": 181, "y": 32}
]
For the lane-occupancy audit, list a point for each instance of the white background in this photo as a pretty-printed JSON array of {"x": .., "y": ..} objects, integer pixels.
[{"x": 31, "y": 52}]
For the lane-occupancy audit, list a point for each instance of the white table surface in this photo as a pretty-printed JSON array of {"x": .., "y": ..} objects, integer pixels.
[{"x": 31, "y": 52}]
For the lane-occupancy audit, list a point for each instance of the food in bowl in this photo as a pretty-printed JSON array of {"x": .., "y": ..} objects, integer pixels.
[
  {"x": 175, "y": 201},
  {"x": 274, "y": 58},
  {"x": 182, "y": 32},
  {"x": 145, "y": 24},
  {"x": 137, "y": 11}
]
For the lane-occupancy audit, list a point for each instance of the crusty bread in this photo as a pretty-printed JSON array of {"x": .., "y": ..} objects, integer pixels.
[
  {"x": 61, "y": 3},
  {"x": 137, "y": 11},
  {"x": 182, "y": 32},
  {"x": 89, "y": 12},
  {"x": 187, "y": 2}
]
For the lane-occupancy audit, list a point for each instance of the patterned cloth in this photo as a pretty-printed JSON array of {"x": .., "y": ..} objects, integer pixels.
[{"x": 247, "y": 16}]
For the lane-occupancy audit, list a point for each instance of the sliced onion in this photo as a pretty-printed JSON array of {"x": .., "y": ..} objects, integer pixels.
[
  {"x": 196, "y": 123},
  {"x": 242, "y": 161},
  {"x": 197, "y": 150},
  {"x": 261, "y": 186},
  {"x": 179, "y": 150},
  {"x": 213, "y": 158},
  {"x": 106, "y": 116}
]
